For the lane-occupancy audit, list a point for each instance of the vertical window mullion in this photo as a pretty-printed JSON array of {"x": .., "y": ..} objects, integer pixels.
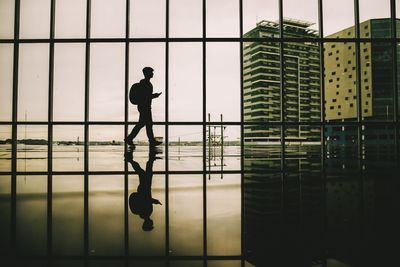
[
  {"x": 395, "y": 79},
  {"x": 282, "y": 112},
  {"x": 360, "y": 123},
  {"x": 126, "y": 118},
  {"x": 167, "y": 132},
  {"x": 86, "y": 132},
  {"x": 14, "y": 129},
  {"x": 204, "y": 135},
  {"x": 322, "y": 129},
  {"x": 242, "y": 153},
  {"x": 50, "y": 131}
]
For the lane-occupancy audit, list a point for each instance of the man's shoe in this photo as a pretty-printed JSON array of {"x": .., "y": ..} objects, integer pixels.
[{"x": 155, "y": 143}]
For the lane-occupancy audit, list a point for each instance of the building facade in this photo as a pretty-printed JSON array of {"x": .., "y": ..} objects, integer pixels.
[
  {"x": 262, "y": 83},
  {"x": 377, "y": 83}
]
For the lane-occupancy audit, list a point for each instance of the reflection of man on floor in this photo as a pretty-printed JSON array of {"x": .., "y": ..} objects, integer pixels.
[
  {"x": 144, "y": 98},
  {"x": 141, "y": 202}
]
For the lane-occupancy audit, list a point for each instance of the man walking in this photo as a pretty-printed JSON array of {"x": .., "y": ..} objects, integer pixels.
[{"x": 143, "y": 98}]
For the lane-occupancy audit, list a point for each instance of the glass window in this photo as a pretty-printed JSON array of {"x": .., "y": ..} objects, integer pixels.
[
  {"x": 338, "y": 19},
  {"x": 265, "y": 12},
  {"x": 31, "y": 215},
  {"x": 7, "y": 19},
  {"x": 107, "y": 18},
  {"x": 70, "y": 18},
  {"x": 106, "y": 200},
  {"x": 147, "y": 18},
  {"x": 6, "y": 81},
  {"x": 34, "y": 19},
  {"x": 185, "y": 18},
  {"x": 222, "y": 18},
  {"x": 33, "y": 82},
  {"x": 185, "y": 82},
  {"x": 107, "y": 70},
  {"x": 223, "y": 81},
  {"x": 69, "y": 82},
  {"x": 68, "y": 213}
]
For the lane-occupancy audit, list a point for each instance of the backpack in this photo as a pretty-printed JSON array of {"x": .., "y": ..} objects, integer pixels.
[{"x": 135, "y": 93}]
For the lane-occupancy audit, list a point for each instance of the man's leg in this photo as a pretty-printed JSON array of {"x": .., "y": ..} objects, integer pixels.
[
  {"x": 148, "y": 120},
  {"x": 137, "y": 128}
]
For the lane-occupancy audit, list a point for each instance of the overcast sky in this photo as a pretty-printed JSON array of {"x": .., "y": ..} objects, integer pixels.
[{"x": 147, "y": 20}]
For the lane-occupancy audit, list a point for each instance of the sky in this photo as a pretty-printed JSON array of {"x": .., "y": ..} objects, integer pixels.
[{"x": 147, "y": 20}]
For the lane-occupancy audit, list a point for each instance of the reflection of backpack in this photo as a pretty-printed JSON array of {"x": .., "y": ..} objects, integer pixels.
[{"x": 135, "y": 93}]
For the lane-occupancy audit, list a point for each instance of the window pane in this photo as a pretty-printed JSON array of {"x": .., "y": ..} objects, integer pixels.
[
  {"x": 68, "y": 150},
  {"x": 35, "y": 19},
  {"x": 5, "y": 148},
  {"x": 31, "y": 215},
  {"x": 224, "y": 215},
  {"x": 147, "y": 18},
  {"x": 303, "y": 150},
  {"x": 379, "y": 150},
  {"x": 340, "y": 81},
  {"x": 342, "y": 148},
  {"x": 148, "y": 55},
  {"x": 302, "y": 96},
  {"x": 108, "y": 18},
  {"x": 107, "y": 72},
  {"x": 378, "y": 15},
  {"x": 142, "y": 144},
  {"x": 7, "y": 19},
  {"x": 222, "y": 18},
  {"x": 33, "y": 80},
  {"x": 70, "y": 18},
  {"x": 300, "y": 24},
  {"x": 5, "y": 213},
  {"x": 185, "y": 82},
  {"x": 31, "y": 148},
  {"x": 223, "y": 148},
  {"x": 187, "y": 21},
  {"x": 141, "y": 243},
  {"x": 186, "y": 227},
  {"x": 69, "y": 82},
  {"x": 223, "y": 81},
  {"x": 338, "y": 16},
  {"x": 106, "y": 200},
  {"x": 256, "y": 11},
  {"x": 6, "y": 81},
  {"x": 106, "y": 148},
  {"x": 185, "y": 148},
  {"x": 67, "y": 211},
  {"x": 263, "y": 214},
  {"x": 263, "y": 148},
  {"x": 261, "y": 78},
  {"x": 377, "y": 81}
]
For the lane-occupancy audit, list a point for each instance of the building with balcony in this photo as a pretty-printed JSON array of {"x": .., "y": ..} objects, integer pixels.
[{"x": 262, "y": 82}]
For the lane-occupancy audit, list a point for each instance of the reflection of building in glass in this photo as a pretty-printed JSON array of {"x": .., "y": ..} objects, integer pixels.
[
  {"x": 276, "y": 206},
  {"x": 377, "y": 86},
  {"x": 262, "y": 82}
]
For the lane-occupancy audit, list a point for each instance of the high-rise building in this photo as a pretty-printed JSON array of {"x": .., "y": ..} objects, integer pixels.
[
  {"x": 262, "y": 82},
  {"x": 377, "y": 87}
]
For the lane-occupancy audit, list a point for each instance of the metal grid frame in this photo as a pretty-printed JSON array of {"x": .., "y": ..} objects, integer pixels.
[{"x": 16, "y": 41}]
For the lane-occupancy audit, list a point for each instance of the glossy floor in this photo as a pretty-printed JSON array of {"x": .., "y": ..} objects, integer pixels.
[{"x": 335, "y": 210}]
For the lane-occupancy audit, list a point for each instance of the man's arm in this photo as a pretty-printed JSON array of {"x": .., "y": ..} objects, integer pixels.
[{"x": 155, "y": 95}]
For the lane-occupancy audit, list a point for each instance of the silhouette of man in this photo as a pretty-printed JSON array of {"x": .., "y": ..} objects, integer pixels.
[
  {"x": 141, "y": 202},
  {"x": 144, "y": 108}
]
